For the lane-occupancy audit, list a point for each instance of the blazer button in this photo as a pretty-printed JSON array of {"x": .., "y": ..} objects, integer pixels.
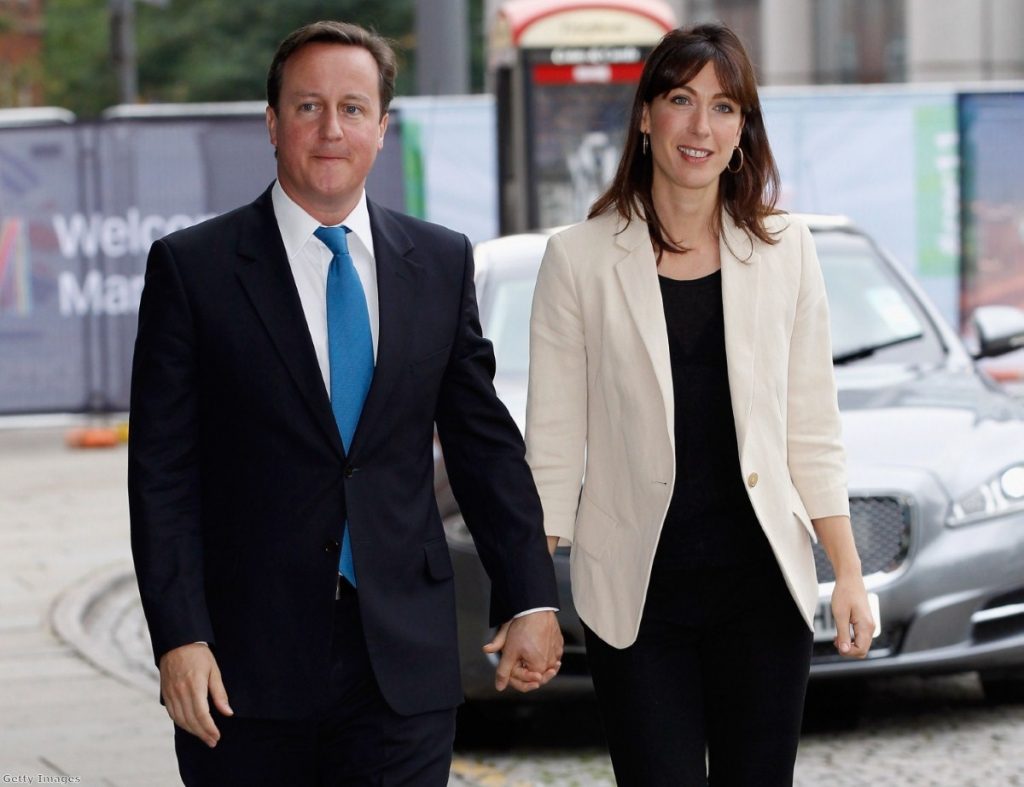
[
  {"x": 752, "y": 480},
  {"x": 332, "y": 547},
  {"x": 349, "y": 471}
]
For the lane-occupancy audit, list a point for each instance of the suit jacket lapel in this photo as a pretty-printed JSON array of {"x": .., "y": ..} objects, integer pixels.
[
  {"x": 638, "y": 276},
  {"x": 397, "y": 282},
  {"x": 267, "y": 279},
  {"x": 740, "y": 290}
]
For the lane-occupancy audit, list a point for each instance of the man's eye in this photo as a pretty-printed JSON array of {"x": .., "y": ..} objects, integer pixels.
[
  {"x": 351, "y": 109},
  {"x": 307, "y": 107}
]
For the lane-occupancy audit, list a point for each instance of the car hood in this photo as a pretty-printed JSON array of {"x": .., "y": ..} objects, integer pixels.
[{"x": 948, "y": 422}]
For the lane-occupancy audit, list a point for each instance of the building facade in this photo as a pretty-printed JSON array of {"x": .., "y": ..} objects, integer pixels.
[{"x": 21, "y": 45}]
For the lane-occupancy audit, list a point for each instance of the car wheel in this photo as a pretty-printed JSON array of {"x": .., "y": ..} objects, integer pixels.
[{"x": 1003, "y": 686}]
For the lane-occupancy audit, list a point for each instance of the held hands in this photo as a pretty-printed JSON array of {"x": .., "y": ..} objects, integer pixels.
[
  {"x": 531, "y": 651},
  {"x": 188, "y": 675},
  {"x": 850, "y": 608}
]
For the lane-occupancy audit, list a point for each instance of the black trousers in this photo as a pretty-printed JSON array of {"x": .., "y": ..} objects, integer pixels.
[
  {"x": 357, "y": 741},
  {"x": 719, "y": 670}
]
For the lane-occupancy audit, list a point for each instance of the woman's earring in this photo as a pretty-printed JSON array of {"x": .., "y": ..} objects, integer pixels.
[
  {"x": 734, "y": 171},
  {"x": 645, "y": 144}
]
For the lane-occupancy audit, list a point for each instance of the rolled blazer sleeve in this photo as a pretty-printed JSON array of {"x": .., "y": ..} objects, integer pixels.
[
  {"x": 556, "y": 412},
  {"x": 817, "y": 461}
]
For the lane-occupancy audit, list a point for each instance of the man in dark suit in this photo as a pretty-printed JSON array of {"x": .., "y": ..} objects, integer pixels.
[{"x": 292, "y": 359}]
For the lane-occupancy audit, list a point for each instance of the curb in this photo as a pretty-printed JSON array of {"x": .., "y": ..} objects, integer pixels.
[{"x": 100, "y": 616}]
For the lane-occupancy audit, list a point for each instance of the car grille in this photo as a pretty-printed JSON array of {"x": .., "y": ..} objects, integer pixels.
[{"x": 881, "y": 528}]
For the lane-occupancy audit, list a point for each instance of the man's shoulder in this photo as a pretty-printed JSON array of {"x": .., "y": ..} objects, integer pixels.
[
  {"x": 418, "y": 230},
  {"x": 224, "y": 226}
]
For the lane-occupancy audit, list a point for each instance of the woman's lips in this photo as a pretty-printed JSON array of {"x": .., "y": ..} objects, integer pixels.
[{"x": 695, "y": 155}]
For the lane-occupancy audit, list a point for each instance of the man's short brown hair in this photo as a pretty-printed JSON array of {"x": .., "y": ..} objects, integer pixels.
[{"x": 331, "y": 32}]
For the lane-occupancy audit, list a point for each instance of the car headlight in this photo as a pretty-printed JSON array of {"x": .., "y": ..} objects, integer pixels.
[{"x": 1001, "y": 494}]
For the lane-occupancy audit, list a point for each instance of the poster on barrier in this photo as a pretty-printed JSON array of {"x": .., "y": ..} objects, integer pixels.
[
  {"x": 886, "y": 158},
  {"x": 46, "y": 352},
  {"x": 992, "y": 125},
  {"x": 80, "y": 206}
]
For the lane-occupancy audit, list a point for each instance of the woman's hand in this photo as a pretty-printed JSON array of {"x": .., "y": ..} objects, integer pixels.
[{"x": 850, "y": 609}]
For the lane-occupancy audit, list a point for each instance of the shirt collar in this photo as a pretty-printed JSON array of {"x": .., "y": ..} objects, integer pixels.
[{"x": 297, "y": 226}]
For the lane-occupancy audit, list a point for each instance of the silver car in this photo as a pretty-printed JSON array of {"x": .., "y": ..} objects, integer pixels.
[{"x": 936, "y": 472}]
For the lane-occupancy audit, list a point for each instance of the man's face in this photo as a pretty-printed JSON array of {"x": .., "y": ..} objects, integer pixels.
[{"x": 328, "y": 127}]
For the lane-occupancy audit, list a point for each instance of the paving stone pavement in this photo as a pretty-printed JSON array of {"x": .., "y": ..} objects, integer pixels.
[
  {"x": 63, "y": 518},
  {"x": 78, "y": 687}
]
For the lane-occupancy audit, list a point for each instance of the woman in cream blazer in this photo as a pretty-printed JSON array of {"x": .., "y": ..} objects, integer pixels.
[{"x": 691, "y": 655}]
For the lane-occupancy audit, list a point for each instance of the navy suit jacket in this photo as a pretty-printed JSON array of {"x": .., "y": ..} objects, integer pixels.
[{"x": 239, "y": 484}]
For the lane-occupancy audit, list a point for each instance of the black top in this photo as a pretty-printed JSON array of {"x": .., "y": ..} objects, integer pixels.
[{"x": 710, "y": 521}]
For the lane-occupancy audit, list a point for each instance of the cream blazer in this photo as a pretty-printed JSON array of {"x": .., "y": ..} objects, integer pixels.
[{"x": 599, "y": 418}]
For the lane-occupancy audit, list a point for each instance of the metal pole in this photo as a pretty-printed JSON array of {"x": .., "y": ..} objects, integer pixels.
[
  {"x": 122, "y": 47},
  {"x": 442, "y": 47}
]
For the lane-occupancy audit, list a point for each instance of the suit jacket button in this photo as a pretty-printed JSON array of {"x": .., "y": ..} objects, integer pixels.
[
  {"x": 349, "y": 471},
  {"x": 332, "y": 547},
  {"x": 752, "y": 480}
]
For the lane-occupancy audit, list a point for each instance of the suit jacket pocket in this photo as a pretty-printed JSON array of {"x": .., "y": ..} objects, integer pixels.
[
  {"x": 594, "y": 528},
  {"x": 431, "y": 361},
  {"x": 800, "y": 512},
  {"x": 439, "y": 560}
]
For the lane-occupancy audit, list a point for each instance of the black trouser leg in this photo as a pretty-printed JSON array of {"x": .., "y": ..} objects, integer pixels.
[
  {"x": 756, "y": 667},
  {"x": 356, "y": 741},
  {"x": 720, "y": 666}
]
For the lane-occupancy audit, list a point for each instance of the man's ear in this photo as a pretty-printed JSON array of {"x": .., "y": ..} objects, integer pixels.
[
  {"x": 272, "y": 125},
  {"x": 383, "y": 127}
]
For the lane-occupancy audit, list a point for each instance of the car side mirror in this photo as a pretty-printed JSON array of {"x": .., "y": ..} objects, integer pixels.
[{"x": 1000, "y": 329}]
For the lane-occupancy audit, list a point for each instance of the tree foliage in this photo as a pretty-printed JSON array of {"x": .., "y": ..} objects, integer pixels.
[{"x": 197, "y": 50}]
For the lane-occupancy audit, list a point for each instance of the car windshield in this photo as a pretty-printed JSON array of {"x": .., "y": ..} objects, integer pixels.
[{"x": 875, "y": 318}]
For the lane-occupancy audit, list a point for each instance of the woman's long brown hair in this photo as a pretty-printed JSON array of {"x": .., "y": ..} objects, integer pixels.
[{"x": 748, "y": 196}]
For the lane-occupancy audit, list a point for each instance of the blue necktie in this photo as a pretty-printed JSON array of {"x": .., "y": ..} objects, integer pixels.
[{"x": 350, "y": 349}]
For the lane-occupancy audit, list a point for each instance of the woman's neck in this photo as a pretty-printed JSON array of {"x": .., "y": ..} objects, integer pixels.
[{"x": 686, "y": 216}]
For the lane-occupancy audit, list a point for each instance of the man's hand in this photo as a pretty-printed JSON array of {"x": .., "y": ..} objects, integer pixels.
[
  {"x": 188, "y": 676},
  {"x": 531, "y": 651}
]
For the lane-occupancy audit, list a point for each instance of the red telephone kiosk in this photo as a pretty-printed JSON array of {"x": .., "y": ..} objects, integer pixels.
[{"x": 564, "y": 73}]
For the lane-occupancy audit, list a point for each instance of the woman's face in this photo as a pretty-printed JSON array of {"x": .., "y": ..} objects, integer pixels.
[{"x": 693, "y": 130}]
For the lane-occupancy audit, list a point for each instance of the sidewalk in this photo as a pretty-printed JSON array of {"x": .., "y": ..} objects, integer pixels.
[
  {"x": 63, "y": 528},
  {"x": 78, "y": 688}
]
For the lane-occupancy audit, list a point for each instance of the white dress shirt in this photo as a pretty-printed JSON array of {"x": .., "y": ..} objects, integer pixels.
[{"x": 310, "y": 259}]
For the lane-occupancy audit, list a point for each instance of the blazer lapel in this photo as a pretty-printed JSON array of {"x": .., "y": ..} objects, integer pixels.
[
  {"x": 267, "y": 279},
  {"x": 740, "y": 273},
  {"x": 638, "y": 276},
  {"x": 397, "y": 283}
]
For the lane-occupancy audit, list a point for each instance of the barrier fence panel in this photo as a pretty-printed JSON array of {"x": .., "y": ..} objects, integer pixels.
[
  {"x": 80, "y": 206},
  {"x": 45, "y": 342}
]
